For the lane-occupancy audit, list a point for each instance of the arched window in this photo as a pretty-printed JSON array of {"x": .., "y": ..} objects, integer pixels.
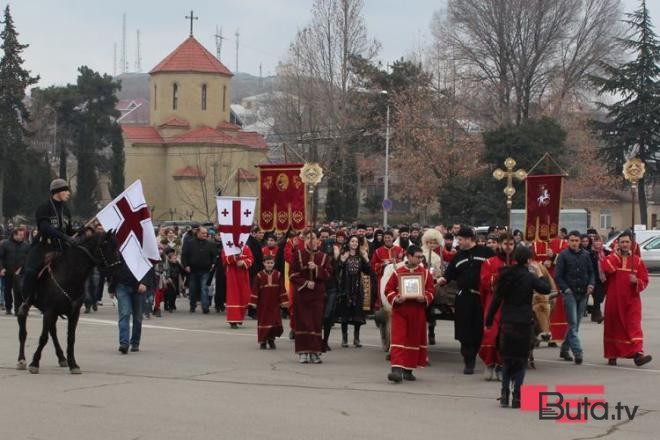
[
  {"x": 203, "y": 96},
  {"x": 175, "y": 95},
  {"x": 224, "y": 98},
  {"x": 155, "y": 96}
]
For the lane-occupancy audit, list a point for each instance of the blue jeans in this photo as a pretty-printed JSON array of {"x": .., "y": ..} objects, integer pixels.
[
  {"x": 574, "y": 306},
  {"x": 198, "y": 289},
  {"x": 148, "y": 305},
  {"x": 129, "y": 302}
]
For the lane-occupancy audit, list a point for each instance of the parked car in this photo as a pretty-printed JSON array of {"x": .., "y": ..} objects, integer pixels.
[
  {"x": 650, "y": 250},
  {"x": 641, "y": 236}
]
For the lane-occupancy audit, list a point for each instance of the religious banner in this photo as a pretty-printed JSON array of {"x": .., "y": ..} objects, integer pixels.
[
  {"x": 129, "y": 217},
  {"x": 282, "y": 197},
  {"x": 543, "y": 203},
  {"x": 235, "y": 215}
]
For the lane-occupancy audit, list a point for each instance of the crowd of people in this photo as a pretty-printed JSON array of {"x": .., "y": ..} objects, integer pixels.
[{"x": 504, "y": 294}]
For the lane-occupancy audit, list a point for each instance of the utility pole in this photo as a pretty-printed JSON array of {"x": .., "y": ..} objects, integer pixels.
[
  {"x": 218, "y": 43},
  {"x": 138, "y": 57},
  {"x": 237, "y": 34}
]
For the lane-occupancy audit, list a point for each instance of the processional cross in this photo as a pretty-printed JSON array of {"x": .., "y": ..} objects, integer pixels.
[
  {"x": 509, "y": 189},
  {"x": 191, "y": 18}
]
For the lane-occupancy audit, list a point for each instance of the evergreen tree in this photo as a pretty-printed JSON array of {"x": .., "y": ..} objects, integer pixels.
[
  {"x": 14, "y": 79},
  {"x": 632, "y": 127}
]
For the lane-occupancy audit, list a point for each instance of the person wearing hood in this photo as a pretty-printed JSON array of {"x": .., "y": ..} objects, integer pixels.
[{"x": 432, "y": 240}]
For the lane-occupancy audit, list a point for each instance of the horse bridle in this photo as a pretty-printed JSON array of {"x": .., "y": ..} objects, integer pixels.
[{"x": 106, "y": 264}]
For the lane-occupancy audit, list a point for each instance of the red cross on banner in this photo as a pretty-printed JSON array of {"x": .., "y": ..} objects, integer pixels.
[
  {"x": 235, "y": 216},
  {"x": 132, "y": 221}
]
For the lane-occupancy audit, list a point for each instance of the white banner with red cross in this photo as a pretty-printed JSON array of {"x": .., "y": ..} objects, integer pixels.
[
  {"x": 235, "y": 215},
  {"x": 129, "y": 217}
]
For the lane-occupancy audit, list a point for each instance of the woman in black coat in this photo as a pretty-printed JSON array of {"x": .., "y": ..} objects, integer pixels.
[{"x": 514, "y": 290}]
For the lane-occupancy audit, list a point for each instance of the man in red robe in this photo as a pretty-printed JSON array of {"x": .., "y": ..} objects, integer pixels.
[
  {"x": 268, "y": 295},
  {"x": 238, "y": 284},
  {"x": 488, "y": 277},
  {"x": 310, "y": 269},
  {"x": 627, "y": 277},
  {"x": 389, "y": 253},
  {"x": 408, "y": 346},
  {"x": 558, "y": 322}
]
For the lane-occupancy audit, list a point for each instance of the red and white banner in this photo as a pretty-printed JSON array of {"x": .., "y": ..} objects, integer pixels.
[
  {"x": 282, "y": 197},
  {"x": 129, "y": 217},
  {"x": 235, "y": 215},
  {"x": 543, "y": 203}
]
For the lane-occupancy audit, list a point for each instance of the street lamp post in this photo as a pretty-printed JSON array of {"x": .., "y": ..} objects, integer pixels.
[
  {"x": 633, "y": 171},
  {"x": 509, "y": 190},
  {"x": 386, "y": 179}
]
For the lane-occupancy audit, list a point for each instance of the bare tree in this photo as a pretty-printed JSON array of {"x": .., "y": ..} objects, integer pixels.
[{"x": 529, "y": 54}]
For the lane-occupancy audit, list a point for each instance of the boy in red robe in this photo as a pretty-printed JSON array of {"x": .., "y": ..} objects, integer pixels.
[
  {"x": 627, "y": 277},
  {"x": 290, "y": 248},
  {"x": 238, "y": 284},
  {"x": 558, "y": 322},
  {"x": 408, "y": 347},
  {"x": 268, "y": 295},
  {"x": 271, "y": 247},
  {"x": 310, "y": 269},
  {"x": 389, "y": 253},
  {"x": 488, "y": 277}
]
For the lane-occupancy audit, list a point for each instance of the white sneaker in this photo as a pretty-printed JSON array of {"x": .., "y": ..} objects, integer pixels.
[
  {"x": 303, "y": 358},
  {"x": 489, "y": 372},
  {"x": 315, "y": 358}
]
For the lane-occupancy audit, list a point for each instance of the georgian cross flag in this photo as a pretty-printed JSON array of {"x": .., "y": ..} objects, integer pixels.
[
  {"x": 129, "y": 216},
  {"x": 235, "y": 215}
]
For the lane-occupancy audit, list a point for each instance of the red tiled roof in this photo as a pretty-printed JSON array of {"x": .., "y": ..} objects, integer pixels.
[
  {"x": 175, "y": 122},
  {"x": 188, "y": 172},
  {"x": 222, "y": 125},
  {"x": 244, "y": 174},
  {"x": 142, "y": 134},
  {"x": 208, "y": 135},
  {"x": 191, "y": 56}
]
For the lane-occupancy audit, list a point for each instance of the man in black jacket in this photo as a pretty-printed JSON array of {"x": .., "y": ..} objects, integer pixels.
[
  {"x": 130, "y": 300},
  {"x": 13, "y": 252},
  {"x": 55, "y": 231},
  {"x": 197, "y": 258},
  {"x": 575, "y": 278},
  {"x": 465, "y": 269}
]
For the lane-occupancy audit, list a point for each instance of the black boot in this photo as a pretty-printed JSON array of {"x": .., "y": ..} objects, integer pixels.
[
  {"x": 271, "y": 344},
  {"x": 408, "y": 375},
  {"x": 504, "y": 398},
  {"x": 325, "y": 347},
  {"x": 469, "y": 365},
  {"x": 356, "y": 337},
  {"x": 515, "y": 399},
  {"x": 431, "y": 335},
  {"x": 565, "y": 355},
  {"x": 641, "y": 359},
  {"x": 344, "y": 335},
  {"x": 396, "y": 375}
]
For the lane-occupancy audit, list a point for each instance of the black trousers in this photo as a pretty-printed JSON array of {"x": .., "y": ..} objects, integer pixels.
[{"x": 9, "y": 289}]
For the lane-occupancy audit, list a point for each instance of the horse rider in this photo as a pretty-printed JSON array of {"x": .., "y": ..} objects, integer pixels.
[{"x": 55, "y": 233}]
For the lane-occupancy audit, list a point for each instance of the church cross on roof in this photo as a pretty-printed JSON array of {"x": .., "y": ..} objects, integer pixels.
[{"x": 191, "y": 17}]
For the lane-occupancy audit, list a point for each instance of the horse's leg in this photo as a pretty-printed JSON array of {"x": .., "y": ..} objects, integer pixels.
[
  {"x": 71, "y": 340},
  {"x": 22, "y": 335},
  {"x": 43, "y": 340},
  {"x": 61, "y": 359}
]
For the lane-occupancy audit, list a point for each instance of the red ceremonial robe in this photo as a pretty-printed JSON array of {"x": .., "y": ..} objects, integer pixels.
[
  {"x": 268, "y": 295},
  {"x": 558, "y": 322},
  {"x": 238, "y": 284},
  {"x": 309, "y": 302},
  {"x": 489, "y": 272},
  {"x": 269, "y": 251},
  {"x": 394, "y": 254},
  {"x": 408, "y": 343},
  {"x": 635, "y": 248},
  {"x": 623, "y": 337},
  {"x": 290, "y": 247}
]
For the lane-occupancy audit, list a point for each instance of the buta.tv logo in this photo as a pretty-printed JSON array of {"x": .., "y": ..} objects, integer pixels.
[{"x": 573, "y": 404}]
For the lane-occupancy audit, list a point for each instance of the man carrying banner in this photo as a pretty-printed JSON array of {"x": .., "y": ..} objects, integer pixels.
[
  {"x": 238, "y": 284},
  {"x": 310, "y": 269}
]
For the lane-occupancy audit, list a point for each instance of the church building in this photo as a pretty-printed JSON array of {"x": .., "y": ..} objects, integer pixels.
[{"x": 190, "y": 151}]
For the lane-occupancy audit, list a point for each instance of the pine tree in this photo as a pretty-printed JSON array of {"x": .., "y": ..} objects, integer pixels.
[
  {"x": 632, "y": 127},
  {"x": 14, "y": 79}
]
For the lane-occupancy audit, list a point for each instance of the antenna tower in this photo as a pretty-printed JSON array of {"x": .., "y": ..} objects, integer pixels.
[
  {"x": 124, "y": 63},
  {"x": 138, "y": 56},
  {"x": 218, "y": 43},
  {"x": 114, "y": 60}
]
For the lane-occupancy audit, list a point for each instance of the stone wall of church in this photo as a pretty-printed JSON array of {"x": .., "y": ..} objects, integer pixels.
[{"x": 189, "y": 93}]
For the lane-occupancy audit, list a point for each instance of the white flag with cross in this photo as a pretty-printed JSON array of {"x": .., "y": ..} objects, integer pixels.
[{"x": 235, "y": 216}]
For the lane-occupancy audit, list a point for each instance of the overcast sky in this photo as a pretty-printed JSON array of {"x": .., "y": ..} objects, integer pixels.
[{"x": 65, "y": 34}]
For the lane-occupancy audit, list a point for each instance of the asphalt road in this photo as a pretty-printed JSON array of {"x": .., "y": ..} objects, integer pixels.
[{"x": 195, "y": 378}]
